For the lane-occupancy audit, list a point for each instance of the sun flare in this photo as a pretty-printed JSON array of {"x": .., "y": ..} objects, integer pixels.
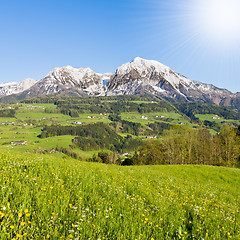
[{"x": 217, "y": 21}]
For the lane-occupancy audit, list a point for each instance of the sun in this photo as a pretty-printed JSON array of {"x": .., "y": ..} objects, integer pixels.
[{"x": 217, "y": 21}]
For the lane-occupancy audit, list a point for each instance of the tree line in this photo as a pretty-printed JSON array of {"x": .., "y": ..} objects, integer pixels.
[{"x": 182, "y": 145}]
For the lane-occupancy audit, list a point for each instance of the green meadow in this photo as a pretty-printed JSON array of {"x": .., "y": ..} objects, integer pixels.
[
  {"x": 56, "y": 197},
  {"x": 215, "y": 118},
  {"x": 171, "y": 117}
]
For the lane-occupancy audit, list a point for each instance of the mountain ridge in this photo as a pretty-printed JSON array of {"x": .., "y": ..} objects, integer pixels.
[{"x": 139, "y": 76}]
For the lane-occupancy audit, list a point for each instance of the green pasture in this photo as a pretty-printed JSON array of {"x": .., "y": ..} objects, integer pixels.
[
  {"x": 41, "y": 116},
  {"x": 154, "y": 117},
  {"x": 88, "y": 118},
  {"x": 36, "y": 108},
  {"x": 30, "y": 135},
  {"x": 56, "y": 197},
  {"x": 210, "y": 117},
  {"x": 6, "y": 120}
]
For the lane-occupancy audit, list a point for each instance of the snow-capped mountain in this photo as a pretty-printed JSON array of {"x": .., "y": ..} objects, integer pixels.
[
  {"x": 139, "y": 76},
  {"x": 142, "y": 75},
  {"x": 7, "y": 89},
  {"x": 69, "y": 79}
]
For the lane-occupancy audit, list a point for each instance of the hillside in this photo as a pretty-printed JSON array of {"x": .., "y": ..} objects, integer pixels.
[{"x": 54, "y": 197}]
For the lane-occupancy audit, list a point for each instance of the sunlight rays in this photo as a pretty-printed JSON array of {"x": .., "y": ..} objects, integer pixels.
[
  {"x": 217, "y": 21},
  {"x": 200, "y": 38}
]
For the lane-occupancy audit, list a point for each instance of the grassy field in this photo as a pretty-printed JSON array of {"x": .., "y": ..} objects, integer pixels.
[
  {"x": 91, "y": 118},
  {"x": 27, "y": 125},
  {"x": 173, "y": 118},
  {"x": 214, "y": 118},
  {"x": 30, "y": 134},
  {"x": 55, "y": 197}
]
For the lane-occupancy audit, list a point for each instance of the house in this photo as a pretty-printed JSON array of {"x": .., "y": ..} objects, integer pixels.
[
  {"x": 216, "y": 117},
  {"x": 181, "y": 123},
  {"x": 77, "y": 122},
  {"x": 18, "y": 143},
  {"x": 52, "y": 150},
  {"x": 144, "y": 117},
  {"x": 151, "y": 137}
]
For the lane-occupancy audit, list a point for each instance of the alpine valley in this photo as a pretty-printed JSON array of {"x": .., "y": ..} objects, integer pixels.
[
  {"x": 142, "y": 153},
  {"x": 139, "y": 76}
]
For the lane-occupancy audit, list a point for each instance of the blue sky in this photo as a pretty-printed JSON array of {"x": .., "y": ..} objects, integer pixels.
[{"x": 37, "y": 36}]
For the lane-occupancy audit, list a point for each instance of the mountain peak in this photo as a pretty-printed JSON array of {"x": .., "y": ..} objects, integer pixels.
[
  {"x": 138, "y": 59},
  {"x": 142, "y": 66}
]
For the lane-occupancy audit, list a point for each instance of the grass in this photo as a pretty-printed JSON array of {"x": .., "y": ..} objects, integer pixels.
[
  {"x": 154, "y": 117},
  {"x": 41, "y": 116},
  {"x": 16, "y": 133},
  {"x": 7, "y": 120},
  {"x": 209, "y": 117},
  {"x": 36, "y": 106},
  {"x": 49, "y": 143},
  {"x": 84, "y": 118},
  {"x": 54, "y": 197},
  {"x": 88, "y": 154}
]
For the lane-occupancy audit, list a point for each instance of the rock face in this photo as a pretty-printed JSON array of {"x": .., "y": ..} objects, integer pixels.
[
  {"x": 137, "y": 77},
  {"x": 7, "y": 89}
]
